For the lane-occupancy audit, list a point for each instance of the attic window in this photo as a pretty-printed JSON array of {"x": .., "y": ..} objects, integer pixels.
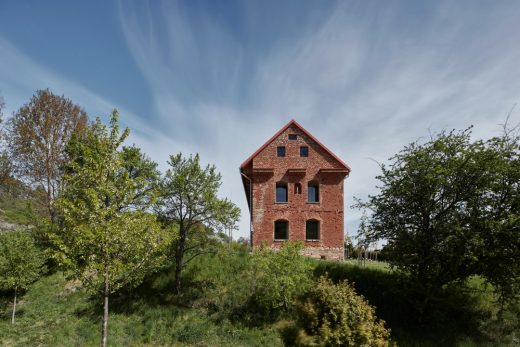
[
  {"x": 280, "y": 151},
  {"x": 304, "y": 151},
  {"x": 293, "y": 136}
]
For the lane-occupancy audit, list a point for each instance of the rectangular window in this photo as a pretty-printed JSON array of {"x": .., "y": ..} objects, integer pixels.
[
  {"x": 293, "y": 136},
  {"x": 281, "y": 192},
  {"x": 304, "y": 151},
  {"x": 312, "y": 230},
  {"x": 313, "y": 192},
  {"x": 280, "y": 151},
  {"x": 280, "y": 230}
]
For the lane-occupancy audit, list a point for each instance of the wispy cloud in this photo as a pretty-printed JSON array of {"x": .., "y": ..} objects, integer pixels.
[
  {"x": 365, "y": 77},
  {"x": 370, "y": 79}
]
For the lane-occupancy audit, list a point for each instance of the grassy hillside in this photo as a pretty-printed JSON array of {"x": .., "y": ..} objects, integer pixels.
[{"x": 56, "y": 312}]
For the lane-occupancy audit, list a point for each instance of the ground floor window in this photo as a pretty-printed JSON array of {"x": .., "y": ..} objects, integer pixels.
[
  {"x": 312, "y": 230},
  {"x": 281, "y": 230}
]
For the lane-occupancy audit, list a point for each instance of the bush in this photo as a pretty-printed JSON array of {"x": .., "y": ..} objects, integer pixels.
[
  {"x": 251, "y": 287},
  {"x": 280, "y": 276},
  {"x": 335, "y": 315}
]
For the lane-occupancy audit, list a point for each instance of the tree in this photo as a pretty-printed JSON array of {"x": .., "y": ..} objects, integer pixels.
[
  {"x": 189, "y": 200},
  {"x": 5, "y": 162},
  {"x": 499, "y": 220},
  {"x": 107, "y": 237},
  {"x": 449, "y": 209},
  {"x": 21, "y": 262},
  {"x": 37, "y": 135}
]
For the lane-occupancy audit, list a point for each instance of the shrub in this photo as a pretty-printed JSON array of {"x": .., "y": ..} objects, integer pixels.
[
  {"x": 280, "y": 276},
  {"x": 252, "y": 287},
  {"x": 335, "y": 315}
]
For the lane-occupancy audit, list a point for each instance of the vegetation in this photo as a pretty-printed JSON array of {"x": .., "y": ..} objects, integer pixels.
[
  {"x": 38, "y": 134},
  {"x": 21, "y": 263},
  {"x": 335, "y": 315},
  {"x": 450, "y": 209},
  {"x": 118, "y": 230},
  {"x": 279, "y": 278},
  {"x": 106, "y": 236},
  {"x": 189, "y": 200}
]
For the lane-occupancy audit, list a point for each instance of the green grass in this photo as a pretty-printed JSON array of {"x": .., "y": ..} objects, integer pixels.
[
  {"x": 54, "y": 312},
  {"x": 52, "y": 315},
  {"x": 17, "y": 210}
]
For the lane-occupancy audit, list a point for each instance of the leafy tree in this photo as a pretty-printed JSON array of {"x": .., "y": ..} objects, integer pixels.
[
  {"x": 21, "y": 262},
  {"x": 107, "y": 236},
  {"x": 335, "y": 315},
  {"x": 423, "y": 209},
  {"x": 499, "y": 218},
  {"x": 449, "y": 209},
  {"x": 37, "y": 135},
  {"x": 189, "y": 200}
]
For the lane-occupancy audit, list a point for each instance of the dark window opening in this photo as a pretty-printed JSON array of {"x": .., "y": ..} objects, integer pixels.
[
  {"x": 312, "y": 230},
  {"x": 297, "y": 188},
  {"x": 304, "y": 151},
  {"x": 280, "y": 151},
  {"x": 293, "y": 136},
  {"x": 281, "y": 192},
  {"x": 281, "y": 230},
  {"x": 313, "y": 192}
]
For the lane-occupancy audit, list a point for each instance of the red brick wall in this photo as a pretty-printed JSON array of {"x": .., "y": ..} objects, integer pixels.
[{"x": 329, "y": 211}]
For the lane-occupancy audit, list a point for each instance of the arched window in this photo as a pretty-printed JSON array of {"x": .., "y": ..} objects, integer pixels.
[
  {"x": 281, "y": 192},
  {"x": 313, "y": 192},
  {"x": 297, "y": 188},
  {"x": 281, "y": 230},
  {"x": 312, "y": 229}
]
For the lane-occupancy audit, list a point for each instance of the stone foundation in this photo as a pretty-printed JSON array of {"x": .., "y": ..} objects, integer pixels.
[{"x": 326, "y": 253}]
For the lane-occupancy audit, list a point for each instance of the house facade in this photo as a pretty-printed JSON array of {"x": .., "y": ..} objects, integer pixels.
[{"x": 294, "y": 189}]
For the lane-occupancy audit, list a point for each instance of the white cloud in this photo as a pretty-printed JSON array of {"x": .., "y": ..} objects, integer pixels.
[{"x": 372, "y": 78}]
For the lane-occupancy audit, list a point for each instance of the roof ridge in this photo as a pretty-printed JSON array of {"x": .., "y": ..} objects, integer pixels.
[{"x": 285, "y": 127}]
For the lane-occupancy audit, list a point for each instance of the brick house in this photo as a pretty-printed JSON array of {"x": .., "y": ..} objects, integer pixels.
[{"x": 294, "y": 190}]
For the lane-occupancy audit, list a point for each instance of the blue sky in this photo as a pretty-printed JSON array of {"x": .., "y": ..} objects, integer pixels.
[{"x": 220, "y": 77}]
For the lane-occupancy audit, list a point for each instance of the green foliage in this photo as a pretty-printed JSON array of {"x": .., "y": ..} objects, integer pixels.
[
  {"x": 107, "y": 233},
  {"x": 280, "y": 277},
  {"x": 107, "y": 237},
  {"x": 335, "y": 315},
  {"x": 251, "y": 288},
  {"x": 449, "y": 209},
  {"x": 189, "y": 199},
  {"x": 21, "y": 262},
  {"x": 467, "y": 314}
]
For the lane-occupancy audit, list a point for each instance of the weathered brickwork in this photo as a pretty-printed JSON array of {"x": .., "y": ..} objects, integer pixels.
[{"x": 264, "y": 169}]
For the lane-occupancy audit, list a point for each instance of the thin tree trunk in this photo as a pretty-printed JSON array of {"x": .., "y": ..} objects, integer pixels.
[
  {"x": 179, "y": 254},
  {"x": 49, "y": 198},
  {"x": 105, "y": 315},
  {"x": 14, "y": 306}
]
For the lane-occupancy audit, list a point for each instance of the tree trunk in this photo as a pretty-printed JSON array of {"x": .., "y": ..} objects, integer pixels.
[
  {"x": 179, "y": 254},
  {"x": 14, "y": 306},
  {"x": 50, "y": 197},
  {"x": 105, "y": 315}
]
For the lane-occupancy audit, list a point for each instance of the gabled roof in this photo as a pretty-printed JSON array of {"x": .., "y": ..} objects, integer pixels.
[{"x": 293, "y": 122}]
